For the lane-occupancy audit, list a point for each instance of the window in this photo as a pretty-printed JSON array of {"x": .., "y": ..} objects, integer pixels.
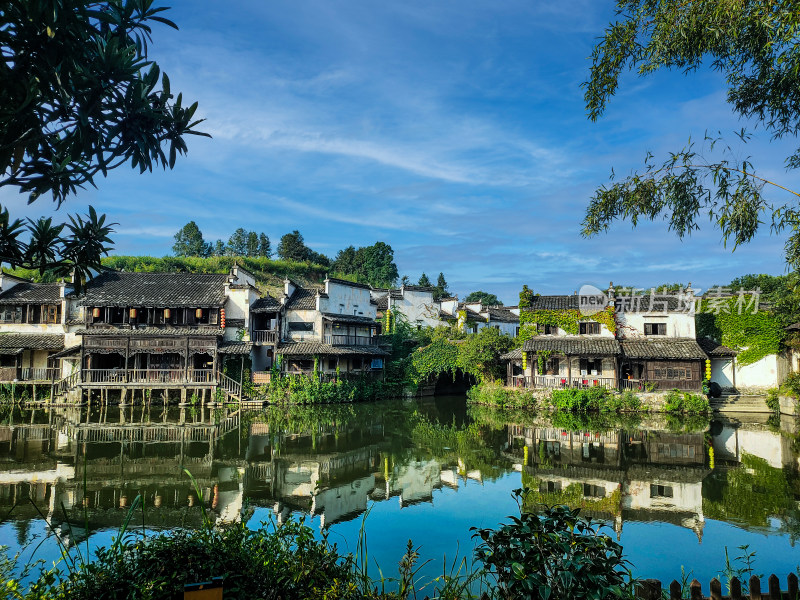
[
  {"x": 547, "y": 329},
  {"x": 516, "y": 332},
  {"x": 591, "y": 366},
  {"x": 590, "y": 328},
  {"x": 300, "y": 326},
  {"x": 655, "y": 329},
  {"x": 660, "y": 491},
  {"x": 593, "y": 491},
  {"x": 11, "y": 314},
  {"x": 546, "y": 487},
  {"x": 672, "y": 373},
  {"x": 377, "y": 363}
]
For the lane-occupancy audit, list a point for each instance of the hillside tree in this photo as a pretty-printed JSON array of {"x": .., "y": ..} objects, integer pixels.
[
  {"x": 252, "y": 244},
  {"x": 484, "y": 298},
  {"x": 237, "y": 243},
  {"x": 189, "y": 241},
  {"x": 754, "y": 45},
  {"x": 292, "y": 247},
  {"x": 424, "y": 281},
  {"x": 441, "y": 290},
  {"x": 264, "y": 248}
]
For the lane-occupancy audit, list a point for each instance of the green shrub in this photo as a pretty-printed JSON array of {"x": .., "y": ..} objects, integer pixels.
[
  {"x": 577, "y": 400},
  {"x": 685, "y": 402},
  {"x": 772, "y": 401},
  {"x": 555, "y": 555},
  {"x": 791, "y": 385},
  {"x": 495, "y": 394}
]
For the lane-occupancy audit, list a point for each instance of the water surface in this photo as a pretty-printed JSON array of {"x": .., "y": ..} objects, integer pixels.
[{"x": 674, "y": 492}]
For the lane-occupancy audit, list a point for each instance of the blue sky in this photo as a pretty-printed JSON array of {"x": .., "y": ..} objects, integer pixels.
[{"x": 453, "y": 131}]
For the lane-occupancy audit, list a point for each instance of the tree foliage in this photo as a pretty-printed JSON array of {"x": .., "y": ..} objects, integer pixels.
[
  {"x": 753, "y": 44},
  {"x": 484, "y": 298},
  {"x": 292, "y": 247},
  {"x": 189, "y": 241},
  {"x": 76, "y": 254},
  {"x": 424, "y": 281},
  {"x": 79, "y": 95},
  {"x": 369, "y": 264}
]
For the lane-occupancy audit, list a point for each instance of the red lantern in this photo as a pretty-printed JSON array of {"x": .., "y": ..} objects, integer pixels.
[{"x": 222, "y": 318}]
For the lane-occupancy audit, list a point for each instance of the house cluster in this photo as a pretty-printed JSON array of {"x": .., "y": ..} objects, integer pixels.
[{"x": 145, "y": 330}]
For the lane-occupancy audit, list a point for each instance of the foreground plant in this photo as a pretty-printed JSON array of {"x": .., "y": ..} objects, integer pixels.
[{"x": 553, "y": 555}]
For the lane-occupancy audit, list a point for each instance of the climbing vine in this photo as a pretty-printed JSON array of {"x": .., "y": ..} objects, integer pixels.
[
  {"x": 567, "y": 319},
  {"x": 440, "y": 356},
  {"x": 753, "y": 334}
]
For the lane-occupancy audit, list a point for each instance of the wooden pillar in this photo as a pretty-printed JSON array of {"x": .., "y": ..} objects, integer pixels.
[
  {"x": 616, "y": 371},
  {"x": 569, "y": 370},
  {"x": 186, "y": 362}
]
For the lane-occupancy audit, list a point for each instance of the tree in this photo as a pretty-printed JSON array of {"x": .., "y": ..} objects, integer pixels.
[
  {"x": 293, "y": 247},
  {"x": 264, "y": 246},
  {"x": 237, "y": 243},
  {"x": 252, "y": 244},
  {"x": 219, "y": 248},
  {"x": 318, "y": 259},
  {"x": 441, "y": 290},
  {"x": 754, "y": 45},
  {"x": 483, "y": 298},
  {"x": 424, "y": 281},
  {"x": 376, "y": 264},
  {"x": 404, "y": 280},
  {"x": 345, "y": 261},
  {"x": 79, "y": 95},
  {"x": 189, "y": 241}
]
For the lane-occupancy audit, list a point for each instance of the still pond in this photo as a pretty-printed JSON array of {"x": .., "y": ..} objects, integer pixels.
[{"x": 674, "y": 491}]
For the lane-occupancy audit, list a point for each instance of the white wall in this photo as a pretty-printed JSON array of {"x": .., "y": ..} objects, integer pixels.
[
  {"x": 768, "y": 372},
  {"x": 347, "y": 300},
  {"x": 417, "y": 306},
  {"x": 679, "y": 324}
]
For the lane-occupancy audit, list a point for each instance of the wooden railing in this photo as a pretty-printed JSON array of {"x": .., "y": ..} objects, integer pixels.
[
  {"x": 650, "y": 589},
  {"x": 62, "y": 386},
  {"x": 39, "y": 374},
  {"x": 520, "y": 381},
  {"x": 231, "y": 386},
  {"x": 631, "y": 384},
  {"x": 148, "y": 376},
  {"x": 264, "y": 336},
  {"x": 554, "y": 382},
  {"x": 335, "y": 339}
]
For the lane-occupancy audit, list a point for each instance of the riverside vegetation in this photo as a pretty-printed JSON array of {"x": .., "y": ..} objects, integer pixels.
[{"x": 552, "y": 554}]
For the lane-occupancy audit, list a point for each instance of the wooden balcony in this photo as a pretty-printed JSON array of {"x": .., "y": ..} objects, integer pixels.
[
  {"x": 147, "y": 376},
  {"x": 264, "y": 336},
  {"x": 335, "y": 339},
  {"x": 556, "y": 382},
  {"x": 28, "y": 374}
]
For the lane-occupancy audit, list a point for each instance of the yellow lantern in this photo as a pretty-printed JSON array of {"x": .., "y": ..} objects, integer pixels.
[
  {"x": 167, "y": 313},
  {"x": 96, "y": 313},
  {"x": 524, "y": 360},
  {"x": 199, "y": 313},
  {"x": 133, "y": 313}
]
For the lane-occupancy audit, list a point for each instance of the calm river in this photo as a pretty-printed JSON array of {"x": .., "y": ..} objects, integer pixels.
[{"x": 675, "y": 492}]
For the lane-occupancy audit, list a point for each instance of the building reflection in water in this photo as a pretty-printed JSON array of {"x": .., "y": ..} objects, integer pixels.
[{"x": 333, "y": 462}]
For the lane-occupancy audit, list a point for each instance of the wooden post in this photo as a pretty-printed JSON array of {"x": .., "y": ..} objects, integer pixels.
[
  {"x": 755, "y": 588},
  {"x": 695, "y": 591},
  {"x": 716, "y": 589},
  {"x": 774, "y": 587},
  {"x": 646, "y": 589},
  {"x": 792, "y": 589},
  {"x": 569, "y": 371},
  {"x": 736, "y": 589},
  {"x": 675, "y": 590}
]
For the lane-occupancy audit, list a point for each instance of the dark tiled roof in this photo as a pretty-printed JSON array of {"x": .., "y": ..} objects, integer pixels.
[
  {"x": 171, "y": 290},
  {"x": 303, "y": 299},
  {"x": 446, "y": 316},
  {"x": 235, "y": 348},
  {"x": 713, "y": 348},
  {"x": 554, "y": 303},
  {"x": 668, "y": 349},
  {"x": 234, "y": 323},
  {"x": 318, "y": 348},
  {"x": 448, "y": 299},
  {"x": 32, "y": 293},
  {"x": 502, "y": 315},
  {"x": 363, "y": 286},
  {"x": 573, "y": 345},
  {"x": 513, "y": 355},
  {"x": 152, "y": 331},
  {"x": 353, "y": 319},
  {"x": 33, "y": 341},
  {"x": 660, "y": 303},
  {"x": 71, "y": 351},
  {"x": 383, "y": 302},
  {"x": 471, "y": 314}
]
